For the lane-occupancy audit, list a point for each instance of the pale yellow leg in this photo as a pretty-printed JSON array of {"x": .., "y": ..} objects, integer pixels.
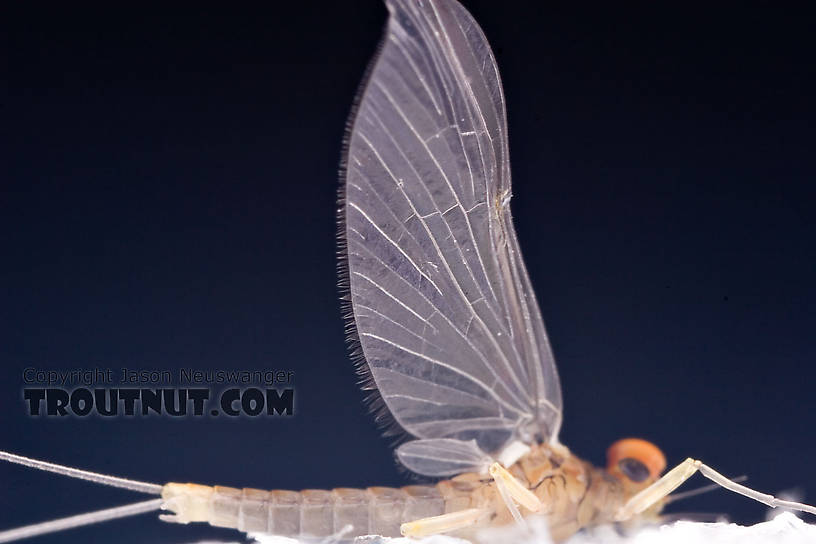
[
  {"x": 509, "y": 488},
  {"x": 665, "y": 485},
  {"x": 442, "y": 524},
  {"x": 682, "y": 472},
  {"x": 504, "y": 493},
  {"x": 770, "y": 500},
  {"x": 516, "y": 489}
]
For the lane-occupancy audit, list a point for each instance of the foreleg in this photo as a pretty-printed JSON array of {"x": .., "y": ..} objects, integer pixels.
[{"x": 682, "y": 472}]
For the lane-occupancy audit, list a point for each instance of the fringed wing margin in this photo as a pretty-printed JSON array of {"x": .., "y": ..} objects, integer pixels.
[
  {"x": 373, "y": 400},
  {"x": 443, "y": 318}
]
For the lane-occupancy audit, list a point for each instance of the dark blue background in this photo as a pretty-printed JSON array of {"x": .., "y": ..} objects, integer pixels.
[{"x": 168, "y": 200}]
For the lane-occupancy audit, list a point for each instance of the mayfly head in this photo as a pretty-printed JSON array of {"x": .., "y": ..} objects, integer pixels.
[{"x": 635, "y": 463}]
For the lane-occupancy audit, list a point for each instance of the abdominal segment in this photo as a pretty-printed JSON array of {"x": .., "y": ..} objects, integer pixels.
[
  {"x": 573, "y": 494},
  {"x": 309, "y": 513}
]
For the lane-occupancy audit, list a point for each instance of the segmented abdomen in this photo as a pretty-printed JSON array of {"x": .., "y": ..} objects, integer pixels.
[
  {"x": 320, "y": 513},
  {"x": 572, "y": 493}
]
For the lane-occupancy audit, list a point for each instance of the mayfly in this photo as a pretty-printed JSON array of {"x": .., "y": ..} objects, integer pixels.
[{"x": 445, "y": 326}]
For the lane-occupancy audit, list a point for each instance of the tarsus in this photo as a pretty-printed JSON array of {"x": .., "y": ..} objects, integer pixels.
[{"x": 700, "y": 490}]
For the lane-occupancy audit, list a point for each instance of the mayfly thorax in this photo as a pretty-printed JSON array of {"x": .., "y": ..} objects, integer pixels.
[{"x": 444, "y": 325}]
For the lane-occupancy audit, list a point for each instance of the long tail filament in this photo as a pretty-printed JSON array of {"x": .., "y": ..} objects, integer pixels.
[{"x": 89, "y": 518}]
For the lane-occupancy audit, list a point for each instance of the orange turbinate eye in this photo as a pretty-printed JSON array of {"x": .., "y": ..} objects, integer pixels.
[{"x": 635, "y": 458}]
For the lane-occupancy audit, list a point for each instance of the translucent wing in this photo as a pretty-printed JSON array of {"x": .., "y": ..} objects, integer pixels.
[
  {"x": 443, "y": 456},
  {"x": 442, "y": 305}
]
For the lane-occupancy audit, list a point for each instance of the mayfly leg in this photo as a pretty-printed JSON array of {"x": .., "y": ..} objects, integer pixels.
[
  {"x": 443, "y": 523},
  {"x": 514, "y": 488},
  {"x": 510, "y": 490},
  {"x": 685, "y": 470}
]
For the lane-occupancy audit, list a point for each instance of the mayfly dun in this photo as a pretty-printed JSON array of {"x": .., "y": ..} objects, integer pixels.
[{"x": 444, "y": 324}]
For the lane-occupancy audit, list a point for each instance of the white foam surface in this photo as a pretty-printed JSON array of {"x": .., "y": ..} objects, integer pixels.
[{"x": 785, "y": 528}]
